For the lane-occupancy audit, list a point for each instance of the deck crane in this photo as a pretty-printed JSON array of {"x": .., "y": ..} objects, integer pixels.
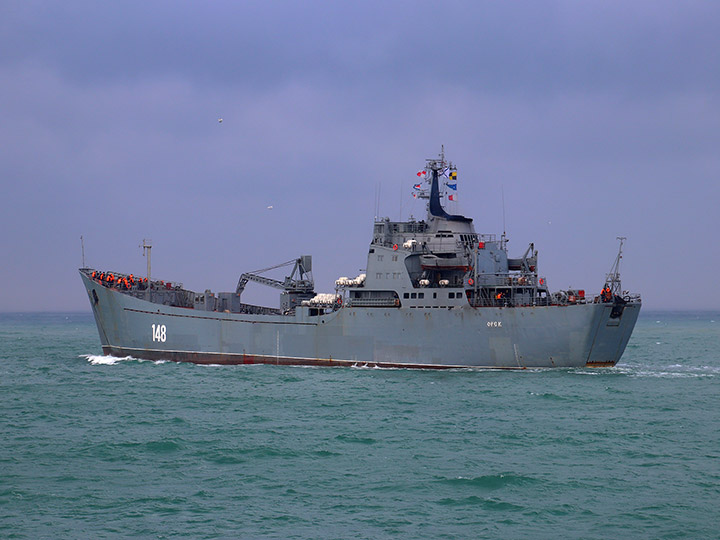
[{"x": 298, "y": 286}]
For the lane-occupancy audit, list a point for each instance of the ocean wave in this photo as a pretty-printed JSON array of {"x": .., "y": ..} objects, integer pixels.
[
  {"x": 486, "y": 504},
  {"x": 490, "y": 482}
]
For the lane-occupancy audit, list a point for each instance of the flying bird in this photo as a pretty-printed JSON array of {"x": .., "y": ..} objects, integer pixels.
[{"x": 219, "y": 120}]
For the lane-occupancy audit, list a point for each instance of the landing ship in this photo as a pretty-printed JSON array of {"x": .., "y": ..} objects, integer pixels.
[{"x": 435, "y": 294}]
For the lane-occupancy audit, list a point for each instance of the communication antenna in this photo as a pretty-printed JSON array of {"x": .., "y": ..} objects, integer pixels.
[
  {"x": 377, "y": 200},
  {"x": 82, "y": 248},
  {"x": 401, "y": 199},
  {"x": 502, "y": 194},
  {"x": 147, "y": 246}
]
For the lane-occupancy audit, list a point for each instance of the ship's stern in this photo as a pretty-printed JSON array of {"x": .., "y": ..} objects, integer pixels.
[{"x": 613, "y": 327}]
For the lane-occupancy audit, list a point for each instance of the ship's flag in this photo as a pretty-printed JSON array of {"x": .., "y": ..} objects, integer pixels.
[
  {"x": 421, "y": 173},
  {"x": 451, "y": 197},
  {"x": 452, "y": 186},
  {"x": 417, "y": 186},
  {"x": 453, "y": 175}
]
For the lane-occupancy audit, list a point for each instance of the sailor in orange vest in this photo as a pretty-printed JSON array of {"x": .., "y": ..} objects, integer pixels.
[{"x": 606, "y": 294}]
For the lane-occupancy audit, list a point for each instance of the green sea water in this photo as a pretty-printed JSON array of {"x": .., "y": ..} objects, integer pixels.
[{"x": 98, "y": 447}]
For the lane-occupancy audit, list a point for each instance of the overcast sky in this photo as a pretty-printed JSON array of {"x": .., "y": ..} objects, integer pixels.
[{"x": 593, "y": 119}]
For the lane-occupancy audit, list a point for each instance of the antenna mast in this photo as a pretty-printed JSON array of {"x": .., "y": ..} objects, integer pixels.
[
  {"x": 147, "y": 246},
  {"x": 613, "y": 278}
]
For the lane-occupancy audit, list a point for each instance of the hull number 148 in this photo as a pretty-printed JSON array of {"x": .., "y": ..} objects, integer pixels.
[{"x": 159, "y": 332}]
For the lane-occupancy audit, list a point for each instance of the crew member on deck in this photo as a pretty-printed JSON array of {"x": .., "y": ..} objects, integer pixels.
[{"x": 606, "y": 293}]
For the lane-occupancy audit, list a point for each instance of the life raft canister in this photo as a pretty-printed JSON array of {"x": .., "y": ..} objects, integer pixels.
[{"x": 395, "y": 247}]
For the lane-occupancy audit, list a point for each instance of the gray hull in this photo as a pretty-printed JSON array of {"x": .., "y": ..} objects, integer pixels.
[{"x": 400, "y": 336}]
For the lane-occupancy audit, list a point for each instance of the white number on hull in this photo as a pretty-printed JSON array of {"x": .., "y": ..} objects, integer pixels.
[{"x": 159, "y": 332}]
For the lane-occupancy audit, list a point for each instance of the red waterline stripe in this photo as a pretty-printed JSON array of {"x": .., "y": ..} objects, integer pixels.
[{"x": 239, "y": 359}]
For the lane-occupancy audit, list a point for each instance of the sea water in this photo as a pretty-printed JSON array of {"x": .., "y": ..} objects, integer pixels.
[{"x": 99, "y": 447}]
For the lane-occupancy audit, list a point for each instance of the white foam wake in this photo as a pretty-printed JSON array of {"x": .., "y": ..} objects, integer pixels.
[
  {"x": 680, "y": 371},
  {"x": 105, "y": 360}
]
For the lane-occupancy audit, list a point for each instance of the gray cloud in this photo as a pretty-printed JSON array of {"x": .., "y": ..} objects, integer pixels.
[{"x": 527, "y": 48}]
